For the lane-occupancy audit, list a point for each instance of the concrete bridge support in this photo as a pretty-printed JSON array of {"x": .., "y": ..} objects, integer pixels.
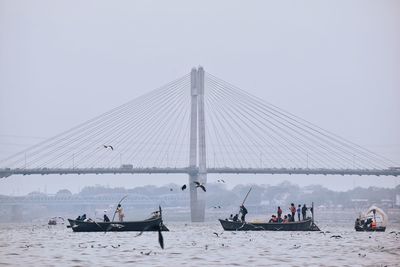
[{"x": 197, "y": 146}]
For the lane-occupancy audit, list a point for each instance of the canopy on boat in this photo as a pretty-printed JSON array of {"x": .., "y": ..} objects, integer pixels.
[{"x": 377, "y": 214}]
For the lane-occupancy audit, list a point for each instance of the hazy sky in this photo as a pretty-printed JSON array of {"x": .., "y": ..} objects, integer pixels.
[{"x": 334, "y": 63}]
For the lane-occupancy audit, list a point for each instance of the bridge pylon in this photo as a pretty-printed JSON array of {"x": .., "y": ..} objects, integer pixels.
[{"x": 197, "y": 149}]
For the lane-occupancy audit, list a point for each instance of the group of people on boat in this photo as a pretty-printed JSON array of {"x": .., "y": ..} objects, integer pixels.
[
  {"x": 369, "y": 220},
  {"x": 369, "y": 223},
  {"x": 119, "y": 210},
  {"x": 83, "y": 218},
  {"x": 243, "y": 211},
  {"x": 290, "y": 217}
]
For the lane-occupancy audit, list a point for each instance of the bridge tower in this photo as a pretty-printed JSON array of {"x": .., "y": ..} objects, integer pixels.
[{"x": 198, "y": 168}]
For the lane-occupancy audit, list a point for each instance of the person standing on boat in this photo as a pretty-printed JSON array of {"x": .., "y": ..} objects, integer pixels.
[
  {"x": 243, "y": 211},
  {"x": 279, "y": 212},
  {"x": 304, "y": 211},
  {"x": 120, "y": 212},
  {"x": 298, "y": 211},
  {"x": 293, "y": 211}
]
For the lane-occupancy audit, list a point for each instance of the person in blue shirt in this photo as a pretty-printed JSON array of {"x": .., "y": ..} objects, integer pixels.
[{"x": 304, "y": 211}]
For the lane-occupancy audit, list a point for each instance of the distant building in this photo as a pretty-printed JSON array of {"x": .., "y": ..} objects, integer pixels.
[{"x": 359, "y": 200}]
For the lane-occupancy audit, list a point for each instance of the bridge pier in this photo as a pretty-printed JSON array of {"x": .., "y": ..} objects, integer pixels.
[{"x": 197, "y": 140}]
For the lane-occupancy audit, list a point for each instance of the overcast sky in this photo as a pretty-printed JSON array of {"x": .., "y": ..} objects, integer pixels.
[{"x": 334, "y": 63}]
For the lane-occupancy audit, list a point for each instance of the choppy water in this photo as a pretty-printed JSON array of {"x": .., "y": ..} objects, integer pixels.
[{"x": 197, "y": 245}]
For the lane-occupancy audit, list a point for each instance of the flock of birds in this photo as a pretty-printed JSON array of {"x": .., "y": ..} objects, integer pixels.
[
  {"x": 198, "y": 185},
  {"x": 217, "y": 235}
]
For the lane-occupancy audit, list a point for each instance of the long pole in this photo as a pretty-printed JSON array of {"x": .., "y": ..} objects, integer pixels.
[{"x": 244, "y": 200}]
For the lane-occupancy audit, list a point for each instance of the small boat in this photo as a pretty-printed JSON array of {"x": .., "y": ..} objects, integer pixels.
[
  {"x": 155, "y": 223},
  {"x": 306, "y": 225},
  {"x": 373, "y": 220}
]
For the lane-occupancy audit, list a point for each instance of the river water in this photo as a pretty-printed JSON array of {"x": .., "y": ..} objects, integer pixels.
[{"x": 197, "y": 245}]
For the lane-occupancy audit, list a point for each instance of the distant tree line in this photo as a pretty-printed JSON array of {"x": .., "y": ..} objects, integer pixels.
[{"x": 269, "y": 195}]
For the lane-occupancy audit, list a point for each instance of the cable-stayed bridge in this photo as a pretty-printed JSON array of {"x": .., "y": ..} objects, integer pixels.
[{"x": 195, "y": 125}]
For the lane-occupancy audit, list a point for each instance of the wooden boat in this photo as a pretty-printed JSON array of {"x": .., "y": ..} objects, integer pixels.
[
  {"x": 373, "y": 220},
  {"x": 368, "y": 229},
  {"x": 155, "y": 223},
  {"x": 306, "y": 225}
]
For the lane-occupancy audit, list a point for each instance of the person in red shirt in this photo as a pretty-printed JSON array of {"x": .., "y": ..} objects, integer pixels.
[
  {"x": 273, "y": 219},
  {"x": 279, "y": 212},
  {"x": 293, "y": 211}
]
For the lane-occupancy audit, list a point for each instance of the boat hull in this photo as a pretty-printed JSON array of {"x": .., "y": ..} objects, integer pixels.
[
  {"x": 139, "y": 226},
  {"x": 306, "y": 225},
  {"x": 377, "y": 229}
]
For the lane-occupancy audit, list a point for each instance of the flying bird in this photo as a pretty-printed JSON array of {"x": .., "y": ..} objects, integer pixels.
[
  {"x": 183, "y": 187},
  {"x": 200, "y": 185},
  {"x": 160, "y": 238},
  {"x": 139, "y": 234},
  {"x": 105, "y": 146}
]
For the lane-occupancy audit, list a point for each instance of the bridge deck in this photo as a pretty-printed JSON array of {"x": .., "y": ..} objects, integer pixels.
[{"x": 46, "y": 171}]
